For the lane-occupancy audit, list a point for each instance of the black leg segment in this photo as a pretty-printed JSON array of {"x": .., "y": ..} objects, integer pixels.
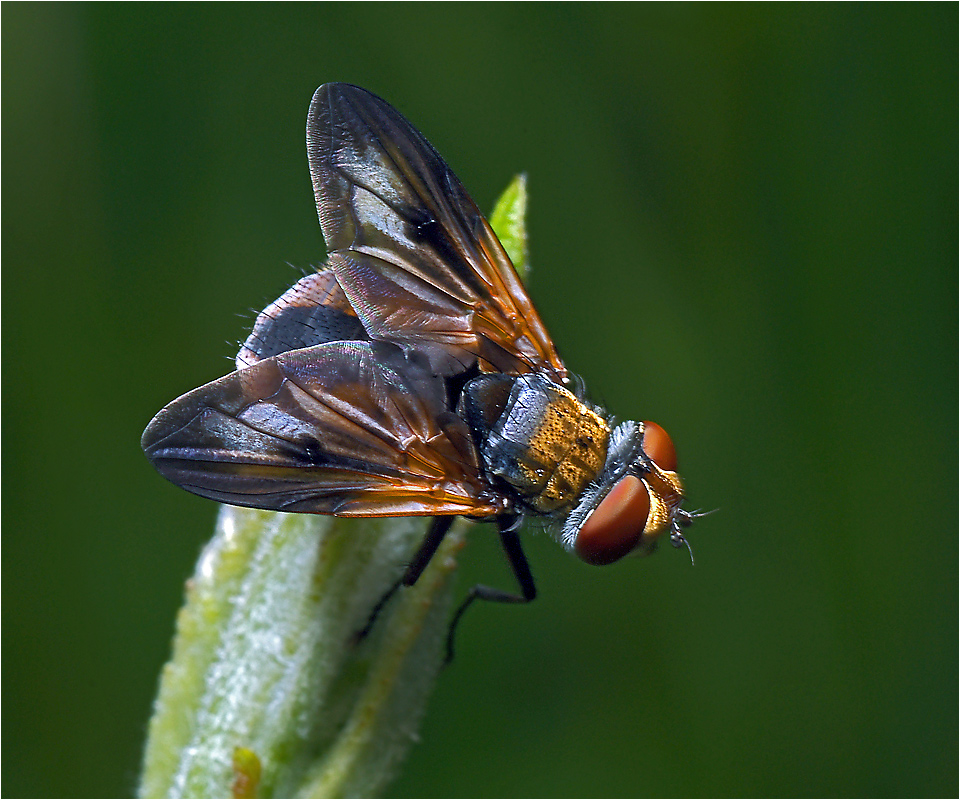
[
  {"x": 438, "y": 529},
  {"x": 431, "y": 542},
  {"x": 521, "y": 570}
]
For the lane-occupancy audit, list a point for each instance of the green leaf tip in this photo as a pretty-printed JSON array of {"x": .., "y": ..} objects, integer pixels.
[
  {"x": 267, "y": 693},
  {"x": 508, "y": 220}
]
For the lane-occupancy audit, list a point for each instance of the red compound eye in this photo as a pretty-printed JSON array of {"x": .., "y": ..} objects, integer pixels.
[
  {"x": 614, "y": 528},
  {"x": 658, "y": 445}
]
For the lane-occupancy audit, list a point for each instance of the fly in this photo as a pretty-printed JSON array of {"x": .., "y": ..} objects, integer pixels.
[{"x": 412, "y": 376}]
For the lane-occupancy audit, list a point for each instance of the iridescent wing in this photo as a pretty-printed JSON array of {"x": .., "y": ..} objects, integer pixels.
[
  {"x": 312, "y": 311},
  {"x": 347, "y": 428},
  {"x": 414, "y": 255}
]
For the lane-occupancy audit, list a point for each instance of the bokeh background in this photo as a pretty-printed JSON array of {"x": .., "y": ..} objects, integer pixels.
[{"x": 743, "y": 225}]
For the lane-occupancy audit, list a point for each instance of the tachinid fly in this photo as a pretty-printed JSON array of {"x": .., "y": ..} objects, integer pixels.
[{"x": 412, "y": 375}]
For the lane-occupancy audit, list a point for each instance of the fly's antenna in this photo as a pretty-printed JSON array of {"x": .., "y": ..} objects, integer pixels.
[
  {"x": 677, "y": 539},
  {"x": 683, "y": 519}
]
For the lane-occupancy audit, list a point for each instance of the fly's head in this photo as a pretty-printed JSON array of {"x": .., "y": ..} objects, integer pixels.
[{"x": 636, "y": 501}]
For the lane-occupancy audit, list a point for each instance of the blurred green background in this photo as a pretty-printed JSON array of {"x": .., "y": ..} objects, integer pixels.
[{"x": 743, "y": 225}]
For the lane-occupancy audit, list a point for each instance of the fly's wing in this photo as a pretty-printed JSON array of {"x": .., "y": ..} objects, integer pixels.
[
  {"x": 414, "y": 255},
  {"x": 344, "y": 428},
  {"x": 312, "y": 311}
]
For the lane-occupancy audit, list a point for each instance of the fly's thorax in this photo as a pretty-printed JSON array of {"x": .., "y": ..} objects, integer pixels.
[
  {"x": 537, "y": 438},
  {"x": 634, "y": 501}
]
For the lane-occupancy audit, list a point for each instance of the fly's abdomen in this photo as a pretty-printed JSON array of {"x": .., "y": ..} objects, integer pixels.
[{"x": 546, "y": 445}]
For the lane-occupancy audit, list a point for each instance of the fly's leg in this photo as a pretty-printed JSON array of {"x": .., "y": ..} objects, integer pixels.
[
  {"x": 507, "y": 526},
  {"x": 438, "y": 529}
]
